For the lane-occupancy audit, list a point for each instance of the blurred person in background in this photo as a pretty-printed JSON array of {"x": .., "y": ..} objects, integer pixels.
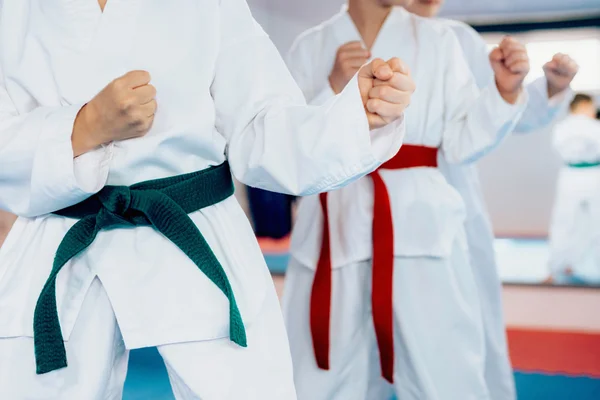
[
  {"x": 549, "y": 97},
  {"x": 380, "y": 280},
  {"x": 575, "y": 227}
]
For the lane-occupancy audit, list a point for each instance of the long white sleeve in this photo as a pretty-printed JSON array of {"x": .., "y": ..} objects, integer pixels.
[
  {"x": 38, "y": 174},
  {"x": 542, "y": 111},
  {"x": 277, "y": 142},
  {"x": 476, "y": 121}
]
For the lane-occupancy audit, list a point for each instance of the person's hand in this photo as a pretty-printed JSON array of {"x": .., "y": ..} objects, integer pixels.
[
  {"x": 510, "y": 63},
  {"x": 560, "y": 72},
  {"x": 348, "y": 60},
  {"x": 386, "y": 89},
  {"x": 122, "y": 110}
]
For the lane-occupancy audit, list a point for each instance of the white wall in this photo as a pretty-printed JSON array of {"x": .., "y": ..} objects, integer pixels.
[
  {"x": 285, "y": 19},
  {"x": 518, "y": 182},
  {"x": 518, "y": 179}
]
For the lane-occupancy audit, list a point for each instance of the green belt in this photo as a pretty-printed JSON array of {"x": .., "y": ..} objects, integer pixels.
[
  {"x": 162, "y": 204},
  {"x": 585, "y": 165}
]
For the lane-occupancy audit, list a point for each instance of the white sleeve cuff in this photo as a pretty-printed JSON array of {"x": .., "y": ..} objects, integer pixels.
[
  {"x": 370, "y": 149},
  {"x": 91, "y": 169},
  {"x": 503, "y": 109},
  {"x": 540, "y": 86},
  {"x": 323, "y": 96},
  {"x": 59, "y": 179},
  {"x": 386, "y": 141},
  {"x": 383, "y": 143},
  {"x": 542, "y": 111}
]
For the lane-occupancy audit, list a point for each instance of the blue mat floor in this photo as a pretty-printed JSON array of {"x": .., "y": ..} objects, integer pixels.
[{"x": 148, "y": 380}]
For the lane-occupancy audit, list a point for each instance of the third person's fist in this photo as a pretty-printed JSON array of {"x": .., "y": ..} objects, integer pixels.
[
  {"x": 560, "y": 72},
  {"x": 510, "y": 63},
  {"x": 348, "y": 60}
]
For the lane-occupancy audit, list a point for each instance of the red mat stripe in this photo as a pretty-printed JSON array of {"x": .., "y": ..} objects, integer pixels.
[
  {"x": 555, "y": 352},
  {"x": 274, "y": 246}
]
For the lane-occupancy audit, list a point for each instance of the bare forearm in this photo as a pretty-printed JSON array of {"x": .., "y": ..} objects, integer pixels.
[{"x": 81, "y": 138}]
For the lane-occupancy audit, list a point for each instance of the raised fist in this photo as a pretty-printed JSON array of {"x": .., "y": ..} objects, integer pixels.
[
  {"x": 510, "y": 63},
  {"x": 122, "y": 110},
  {"x": 560, "y": 72}
]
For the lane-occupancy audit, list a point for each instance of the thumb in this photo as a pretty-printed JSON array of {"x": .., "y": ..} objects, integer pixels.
[
  {"x": 558, "y": 57},
  {"x": 376, "y": 69},
  {"x": 496, "y": 55},
  {"x": 398, "y": 65},
  {"x": 135, "y": 79},
  {"x": 550, "y": 66}
]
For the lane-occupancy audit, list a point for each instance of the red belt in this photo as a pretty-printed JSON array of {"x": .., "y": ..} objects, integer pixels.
[{"x": 383, "y": 266}]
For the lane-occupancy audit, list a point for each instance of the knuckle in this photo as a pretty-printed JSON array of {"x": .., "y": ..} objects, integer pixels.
[
  {"x": 141, "y": 75},
  {"x": 138, "y": 127},
  {"x": 119, "y": 84},
  {"x": 135, "y": 121},
  {"x": 126, "y": 104},
  {"x": 374, "y": 105}
]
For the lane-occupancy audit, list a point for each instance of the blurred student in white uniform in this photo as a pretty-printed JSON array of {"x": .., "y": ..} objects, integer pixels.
[
  {"x": 548, "y": 99},
  {"x": 135, "y": 114},
  {"x": 380, "y": 278},
  {"x": 575, "y": 229}
]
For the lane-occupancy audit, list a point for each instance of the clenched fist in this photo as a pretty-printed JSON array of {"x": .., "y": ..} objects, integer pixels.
[
  {"x": 560, "y": 72},
  {"x": 510, "y": 63},
  {"x": 348, "y": 60},
  {"x": 386, "y": 89},
  {"x": 122, "y": 110}
]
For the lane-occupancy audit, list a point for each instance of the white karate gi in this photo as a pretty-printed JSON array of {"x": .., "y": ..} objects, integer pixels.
[
  {"x": 223, "y": 94},
  {"x": 437, "y": 319},
  {"x": 540, "y": 112},
  {"x": 575, "y": 229}
]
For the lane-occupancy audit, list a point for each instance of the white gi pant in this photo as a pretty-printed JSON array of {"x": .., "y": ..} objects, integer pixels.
[
  {"x": 498, "y": 369},
  {"x": 480, "y": 239},
  {"x": 207, "y": 370},
  {"x": 438, "y": 334}
]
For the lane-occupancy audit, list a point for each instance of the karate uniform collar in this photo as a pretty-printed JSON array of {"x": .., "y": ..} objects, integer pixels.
[{"x": 347, "y": 27}]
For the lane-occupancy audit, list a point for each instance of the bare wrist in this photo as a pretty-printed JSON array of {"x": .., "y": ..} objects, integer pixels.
[
  {"x": 553, "y": 90},
  {"x": 82, "y": 138},
  {"x": 333, "y": 85},
  {"x": 510, "y": 96}
]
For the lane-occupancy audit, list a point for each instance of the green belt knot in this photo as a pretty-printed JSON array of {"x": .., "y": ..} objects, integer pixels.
[
  {"x": 163, "y": 204},
  {"x": 115, "y": 204}
]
